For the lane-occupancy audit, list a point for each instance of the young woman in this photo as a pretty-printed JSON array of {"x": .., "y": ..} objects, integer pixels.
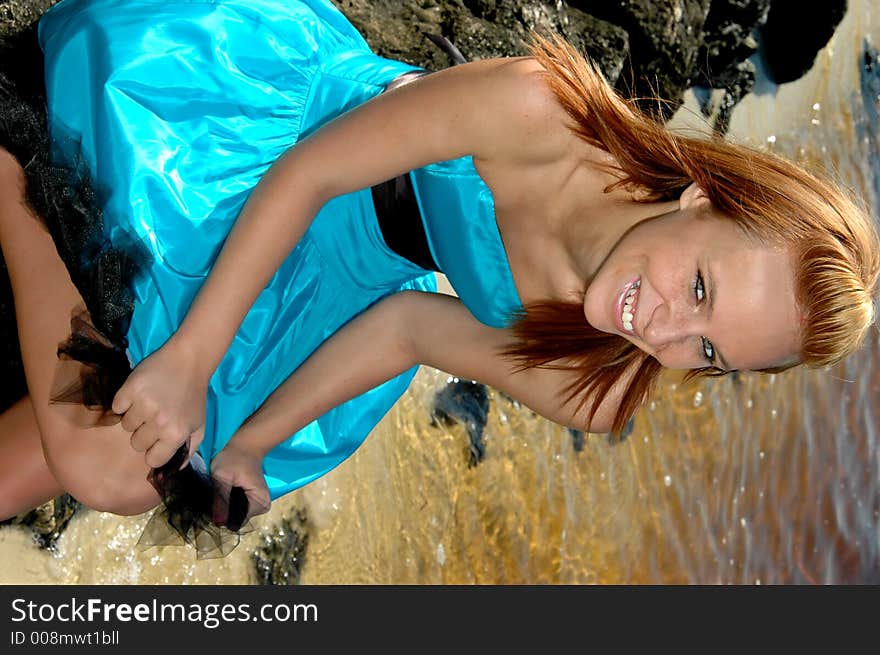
[{"x": 588, "y": 246}]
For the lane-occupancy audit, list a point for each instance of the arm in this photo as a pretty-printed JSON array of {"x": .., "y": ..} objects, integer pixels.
[
  {"x": 470, "y": 109},
  {"x": 403, "y": 330}
]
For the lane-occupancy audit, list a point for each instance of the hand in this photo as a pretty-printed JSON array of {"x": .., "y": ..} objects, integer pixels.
[
  {"x": 163, "y": 402},
  {"x": 236, "y": 467}
]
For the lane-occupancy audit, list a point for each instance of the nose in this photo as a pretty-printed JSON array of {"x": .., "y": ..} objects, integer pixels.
[{"x": 672, "y": 324}]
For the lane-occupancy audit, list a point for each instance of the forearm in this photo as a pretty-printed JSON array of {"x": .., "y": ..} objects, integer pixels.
[
  {"x": 273, "y": 220},
  {"x": 369, "y": 350}
]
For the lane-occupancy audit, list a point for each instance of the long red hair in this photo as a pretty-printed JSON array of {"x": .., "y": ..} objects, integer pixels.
[{"x": 835, "y": 242}]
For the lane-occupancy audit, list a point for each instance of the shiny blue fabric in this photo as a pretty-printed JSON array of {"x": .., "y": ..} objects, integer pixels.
[{"x": 178, "y": 108}]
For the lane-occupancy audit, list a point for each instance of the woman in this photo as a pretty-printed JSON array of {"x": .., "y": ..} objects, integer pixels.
[{"x": 629, "y": 248}]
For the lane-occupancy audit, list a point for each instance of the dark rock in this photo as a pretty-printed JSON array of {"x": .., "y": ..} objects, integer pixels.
[
  {"x": 627, "y": 430},
  {"x": 723, "y": 61},
  {"x": 868, "y": 125},
  {"x": 664, "y": 41},
  {"x": 480, "y": 29},
  {"x": 48, "y": 521},
  {"x": 468, "y": 403},
  {"x": 15, "y": 15},
  {"x": 728, "y": 40},
  {"x": 793, "y": 35},
  {"x": 578, "y": 439},
  {"x": 280, "y": 560}
]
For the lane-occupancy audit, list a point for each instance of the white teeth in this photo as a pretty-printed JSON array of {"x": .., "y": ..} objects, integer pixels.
[{"x": 627, "y": 315}]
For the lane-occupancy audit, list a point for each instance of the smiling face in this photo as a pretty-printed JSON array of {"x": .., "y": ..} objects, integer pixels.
[{"x": 692, "y": 290}]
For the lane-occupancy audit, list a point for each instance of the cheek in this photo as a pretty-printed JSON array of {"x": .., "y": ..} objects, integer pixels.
[{"x": 681, "y": 357}]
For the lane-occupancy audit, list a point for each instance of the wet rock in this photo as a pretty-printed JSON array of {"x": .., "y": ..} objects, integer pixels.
[
  {"x": 480, "y": 29},
  {"x": 468, "y": 403},
  {"x": 15, "y": 15},
  {"x": 793, "y": 35},
  {"x": 48, "y": 521},
  {"x": 624, "y": 434},
  {"x": 723, "y": 60},
  {"x": 664, "y": 41},
  {"x": 868, "y": 125},
  {"x": 728, "y": 39},
  {"x": 21, "y": 59},
  {"x": 578, "y": 439},
  {"x": 280, "y": 560}
]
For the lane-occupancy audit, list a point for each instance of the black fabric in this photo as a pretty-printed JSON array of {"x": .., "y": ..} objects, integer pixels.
[
  {"x": 401, "y": 221},
  {"x": 397, "y": 209}
]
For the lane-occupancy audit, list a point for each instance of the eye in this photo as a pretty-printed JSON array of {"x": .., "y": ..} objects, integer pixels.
[
  {"x": 708, "y": 350},
  {"x": 699, "y": 290},
  {"x": 700, "y": 293}
]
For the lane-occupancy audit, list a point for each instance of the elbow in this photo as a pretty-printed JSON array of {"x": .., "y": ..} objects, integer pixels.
[
  {"x": 401, "y": 311},
  {"x": 601, "y": 422},
  {"x": 597, "y": 426}
]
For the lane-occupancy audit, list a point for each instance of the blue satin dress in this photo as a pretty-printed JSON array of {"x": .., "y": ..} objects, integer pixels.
[{"x": 178, "y": 108}]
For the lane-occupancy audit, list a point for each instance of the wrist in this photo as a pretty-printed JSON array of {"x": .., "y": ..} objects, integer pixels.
[
  {"x": 249, "y": 442},
  {"x": 192, "y": 356}
]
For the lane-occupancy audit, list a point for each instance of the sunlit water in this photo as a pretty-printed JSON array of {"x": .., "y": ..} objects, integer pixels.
[{"x": 751, "y": 480}]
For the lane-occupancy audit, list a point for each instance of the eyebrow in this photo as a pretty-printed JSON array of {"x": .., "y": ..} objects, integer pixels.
[{"x": 712, "y": 291}]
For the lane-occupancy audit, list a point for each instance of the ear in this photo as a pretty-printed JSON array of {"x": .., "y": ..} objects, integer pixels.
[{"x": 693, "y": 196}]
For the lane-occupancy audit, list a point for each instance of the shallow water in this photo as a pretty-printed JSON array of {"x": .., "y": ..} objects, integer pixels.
[{"x": 758, "y": 479}]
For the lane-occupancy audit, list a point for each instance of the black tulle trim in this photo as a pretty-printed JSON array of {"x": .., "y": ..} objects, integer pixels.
[
  {"x": 97, "y": 370},
  {"x": 93, "y": 362},
  {"x": 196, "y": 509},
  {"x": 200, "y": 510}
]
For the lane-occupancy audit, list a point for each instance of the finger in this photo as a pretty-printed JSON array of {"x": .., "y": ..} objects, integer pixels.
[
  {"x": 144, "y": 437},
  {"x": 132, "y": 420},
  {"x": 108, "y": 419},
  {"x": 190, "y": 448},
  {"x": 220, "y": 503},
  {"x": 160, "y": 452},
  {"x": 193, "y": 444},
  {"x": 122, "y": 400},
  {"x": 196, "y": 438}
]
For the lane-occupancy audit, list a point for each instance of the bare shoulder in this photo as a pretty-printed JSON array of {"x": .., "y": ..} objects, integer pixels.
[
  {"x": 529, "y": 122},
  {"x": 497, "y": 110}
]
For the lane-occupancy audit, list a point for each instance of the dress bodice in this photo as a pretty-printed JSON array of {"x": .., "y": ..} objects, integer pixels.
[{"x": 458, "y": 211}]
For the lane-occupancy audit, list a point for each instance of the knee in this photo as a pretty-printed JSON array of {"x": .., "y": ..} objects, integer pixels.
[
  {"x": 104, "y": 484},
  {"x": 127, "y": 500},
  {"x": 8, "y": 508},
  {"x": 116, "y": 491}
]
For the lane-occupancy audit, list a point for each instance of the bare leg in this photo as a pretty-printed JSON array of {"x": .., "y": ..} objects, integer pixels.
[
  {"x": 96, "y": 465},
  {"x": 25, "y": 479}
]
